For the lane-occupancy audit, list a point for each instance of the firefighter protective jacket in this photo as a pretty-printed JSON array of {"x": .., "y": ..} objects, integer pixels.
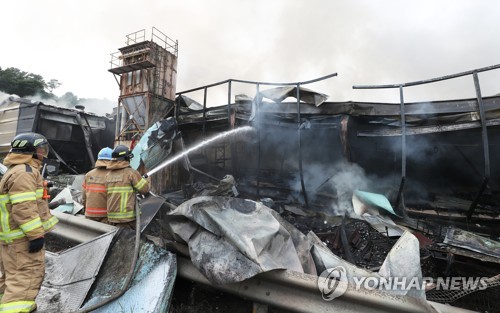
[
  {"x": 24, "y": 214},
  {"x": 94, "y": 196},
  {"x": 122, "y": 182}
]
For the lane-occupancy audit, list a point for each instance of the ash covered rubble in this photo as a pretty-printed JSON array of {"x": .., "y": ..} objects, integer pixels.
[{"x": 330, "y": 205}]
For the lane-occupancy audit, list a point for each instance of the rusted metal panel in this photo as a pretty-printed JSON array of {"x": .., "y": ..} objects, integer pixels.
[
  {"x": 146, "y": 67},
  {"x": 147, "y": 82}
]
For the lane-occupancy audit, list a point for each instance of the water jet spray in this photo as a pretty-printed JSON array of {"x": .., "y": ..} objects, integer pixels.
[{"x": 198, "y": 146}]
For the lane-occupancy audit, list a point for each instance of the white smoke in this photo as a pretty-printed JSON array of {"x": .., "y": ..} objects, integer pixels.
[
  {"x": 4, "y": 97},
  {"x": 339, "y": 180},
  {"x": 366, "y": 42},
  {"x": 98, "y": 106}
]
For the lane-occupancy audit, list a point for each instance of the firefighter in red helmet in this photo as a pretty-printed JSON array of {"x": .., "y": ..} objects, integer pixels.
[{"x": 24, "y": 219}]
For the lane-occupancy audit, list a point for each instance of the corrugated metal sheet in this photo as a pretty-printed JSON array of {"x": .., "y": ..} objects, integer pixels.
[
  {"x": 70, "y": 274},
  {"x": 152, "y": 285}
]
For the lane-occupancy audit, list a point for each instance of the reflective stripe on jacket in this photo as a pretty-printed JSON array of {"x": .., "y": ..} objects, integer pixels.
[
  {"x": 24, "y": 214},
  {"x": 17, "y": 307},
  {"x": 122, "y": 182},
  {"x": 94, "y": 194}
]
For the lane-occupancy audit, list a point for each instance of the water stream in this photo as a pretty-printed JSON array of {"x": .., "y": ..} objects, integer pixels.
[{"x": 198, "y": 146}]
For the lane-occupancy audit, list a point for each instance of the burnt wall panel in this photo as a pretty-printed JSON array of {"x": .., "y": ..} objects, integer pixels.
[
  {"x": 445, "y": 162},
  {"x": 9, "y": 117},
  {"x": 27, "y": 118}
]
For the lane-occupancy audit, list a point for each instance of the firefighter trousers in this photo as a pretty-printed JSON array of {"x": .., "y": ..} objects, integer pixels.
[{"x": 22, "y": 276}]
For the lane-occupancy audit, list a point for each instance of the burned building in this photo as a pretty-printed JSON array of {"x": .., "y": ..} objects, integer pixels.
[
  {"x": 299, "y": 146},
  {"x": 75, "y": 136},
  {"x": 432, "y": 160}
]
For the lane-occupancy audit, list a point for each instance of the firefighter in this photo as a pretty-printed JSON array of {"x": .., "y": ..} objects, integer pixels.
[
  {"x": 24, "y": 220},
  {"x": 94, "y": 194},
  {"x": 122, "y": 184}
]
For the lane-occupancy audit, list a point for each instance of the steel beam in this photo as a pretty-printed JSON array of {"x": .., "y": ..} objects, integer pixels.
[
  {"x": 78, "y": 228},
  {"x": 298, "y": 292}
]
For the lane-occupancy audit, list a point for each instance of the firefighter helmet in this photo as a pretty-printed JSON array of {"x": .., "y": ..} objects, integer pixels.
[
  {"x": 30, "y": 143},
  {"x": 105, "y": 154},
  {"x": 122, "y": 152}
]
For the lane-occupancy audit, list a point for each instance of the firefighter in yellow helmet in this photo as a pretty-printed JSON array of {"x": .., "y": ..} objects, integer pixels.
[
  {"x": 94, "y": 194},
  {"x": 24, "y": 219},
  {"x": 122, "y": 184}
]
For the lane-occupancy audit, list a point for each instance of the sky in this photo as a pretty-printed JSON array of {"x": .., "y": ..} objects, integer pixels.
[{"x": 366, "y": 42}]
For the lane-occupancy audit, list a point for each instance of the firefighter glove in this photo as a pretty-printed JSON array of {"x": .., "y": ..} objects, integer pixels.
[{"x": 36, "y": 244}]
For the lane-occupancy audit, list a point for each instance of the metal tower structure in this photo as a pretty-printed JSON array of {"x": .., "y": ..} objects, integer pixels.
[{"x": 146, "y": 72}]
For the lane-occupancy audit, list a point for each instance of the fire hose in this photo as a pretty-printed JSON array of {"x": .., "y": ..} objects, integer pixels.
[
  {"x": 130, "y": 273},
  {"x": 138, "y": 227}
]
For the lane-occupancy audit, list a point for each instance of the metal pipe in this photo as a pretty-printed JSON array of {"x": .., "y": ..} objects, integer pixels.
[
  {"x": 403, "y": 147},
  {"x": 426, "y": 81},
  {"x": 204, "y": 111},
  {"x": 194, "y": 169},
  {"x": 257, "y": 113},
  {"x": 191, "y": 167},
  {"x": 301, "y": 172},
  {"x": 231, "y": 124},
  {"x": 260, "y": 83},
  {"x": 229, "y": 105},
  {"x": 484, "y": 129},
  {"x": 78, "y": 228},
  {"x": 486, "y": 148},
  {"x": 176, "y": 107}
]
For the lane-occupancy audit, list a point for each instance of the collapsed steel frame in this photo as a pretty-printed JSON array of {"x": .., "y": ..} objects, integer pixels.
[
  {"x": 231, "y": 123},
  {"x": 186, "y": 269},
  {"x": 483, "y": 121}
]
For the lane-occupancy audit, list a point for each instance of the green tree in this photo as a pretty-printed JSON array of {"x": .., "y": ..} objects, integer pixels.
[
  {"x": 23, "y": 84},
  {"x": 68, "y": 100},
  {"x": 53, "y": 84}
]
